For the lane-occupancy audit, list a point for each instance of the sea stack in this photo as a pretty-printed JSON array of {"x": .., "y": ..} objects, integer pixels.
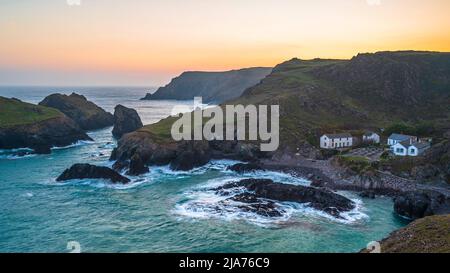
[
  {"x": 126, "y": 120},
  {"x": 85, "y": 113}
]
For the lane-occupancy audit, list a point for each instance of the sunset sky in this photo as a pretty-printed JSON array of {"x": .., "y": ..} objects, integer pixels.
[{"x": 147, "y": 42}]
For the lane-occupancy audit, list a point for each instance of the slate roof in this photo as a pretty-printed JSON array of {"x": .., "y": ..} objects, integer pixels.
[
  {"x": 421, "y": 145},
  {"x": 343, "y": 135},
  {"x": 418, "y": 145},
  {"x": 369, "y": 133},
  {"x": 400, "y": 137}
]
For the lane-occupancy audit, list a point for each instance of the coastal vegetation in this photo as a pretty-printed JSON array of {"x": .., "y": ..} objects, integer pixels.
[
  {"x": 14, "y": 112},
  {"x": 426, "y": 235}
]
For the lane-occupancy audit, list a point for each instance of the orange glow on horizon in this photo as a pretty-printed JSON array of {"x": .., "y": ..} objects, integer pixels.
[{"x": 168, "y": 37}]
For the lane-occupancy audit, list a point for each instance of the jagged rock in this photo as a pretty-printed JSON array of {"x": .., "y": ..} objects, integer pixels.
[
  {"x": 191, "y": 154},
  {"x": 86, "y": 171},
  {"x": 419, "y": 204},
  {"x": 253, "y": 204},
  {"x": 245, "y": 167},
  {"x": 368, "y": 194},
  {"x": 85, "y": 113},
  {"x": 320, "y": 199},
  {"x": 126, "y": 120},
  {"x": 137, "y": 166},
  {"x": 121, "y": 165}
]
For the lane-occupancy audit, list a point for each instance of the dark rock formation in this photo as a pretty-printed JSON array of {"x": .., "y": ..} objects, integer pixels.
[
  {"x": 419, "y": 204},
  {"x": 119, "y": 166},
  {"x": 256, "y": 205},
  {"x": 368, "y": 194},
  {"x": 85, "y": 113},
  {"x": 87, "y": 171},
  {"x": 137, "y": 166},
  {"x": 126, "y": 120},
  {"x": 191, "y": 154},
  {"x": 25, "y": 125},
  {"x": 211, "y": 86},
  {"x": 320, "y": 199},
  {"x": 245, "y": 167},
  {"x": 41, "y": 136},
  {"x": 182, "y": 155}
]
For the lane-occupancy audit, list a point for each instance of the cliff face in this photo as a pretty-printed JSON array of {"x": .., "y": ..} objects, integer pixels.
[
  {"x": 368, "y": 91},
  {"x": 23, "y": 125},
  {"x": 317, "y": 96},
  {"x": 213, "y": 87},
  {"x": 85, "y": 113}
]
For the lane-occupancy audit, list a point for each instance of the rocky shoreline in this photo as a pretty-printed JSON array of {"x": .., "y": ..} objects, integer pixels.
[{"x": 38, "y": 128}]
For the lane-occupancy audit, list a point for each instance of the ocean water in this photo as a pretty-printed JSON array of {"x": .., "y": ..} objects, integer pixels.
[{"x": 162, "y": 211}]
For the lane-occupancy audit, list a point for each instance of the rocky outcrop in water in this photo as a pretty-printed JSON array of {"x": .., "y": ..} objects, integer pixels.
[
  {"x": 126, "y": 120},
  {"x": 87, "y": 171},
  {"x": 253, "y": 204},
  {"x": 191, "y": 154},
  {"x": 85, "y": 113},
  {"x": 182, "y": 155},
  {"x": 319, "y": 199},
  {"x": 419, "y": 204},
  {"x": 137, "y": 166},
  {"x": 24, "y": 125},
  {"x": 246, "y": 167}
]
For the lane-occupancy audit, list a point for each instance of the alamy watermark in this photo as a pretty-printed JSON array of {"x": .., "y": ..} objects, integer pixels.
[{"x": 228, "y": 122}]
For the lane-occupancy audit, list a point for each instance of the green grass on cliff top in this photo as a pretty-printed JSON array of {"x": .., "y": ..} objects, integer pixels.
[
  {"x": 14, "y": 112},
  {"x": 426, "y": 235}
]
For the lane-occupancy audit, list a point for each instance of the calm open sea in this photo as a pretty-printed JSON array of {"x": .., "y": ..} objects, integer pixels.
[{"x": 162, "y": 211}]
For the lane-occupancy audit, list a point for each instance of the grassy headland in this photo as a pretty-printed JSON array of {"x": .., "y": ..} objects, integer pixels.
[{"x": 14, "y": 112}]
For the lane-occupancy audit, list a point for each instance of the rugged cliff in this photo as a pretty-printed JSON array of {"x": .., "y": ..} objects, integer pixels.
[
  {"x": 88, "y": 115},
  {"x": 24, "y": 125},
  {"x": 215, "y": 87},
  {"x": 316, "y": 96}
]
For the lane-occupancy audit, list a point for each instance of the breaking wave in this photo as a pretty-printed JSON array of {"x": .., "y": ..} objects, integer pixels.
[
  {"x": 203, "y": 202},
  {"x": 76, "y": 144}
]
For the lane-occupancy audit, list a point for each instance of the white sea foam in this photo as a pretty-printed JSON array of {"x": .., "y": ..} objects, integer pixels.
[
  {"x": 101, "y": 183},
  {"x": 15, "y": 157},
  {"x": 76, "y": 144},
  {"x": 18, "y": 153},
  {"x": 202, "y": 202},
  {"x": 28, "y": 195}
]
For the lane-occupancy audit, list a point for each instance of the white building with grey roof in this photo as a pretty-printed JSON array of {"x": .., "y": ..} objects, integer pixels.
[
  {"x": 397, "y": 138},
  {"x": 407, "y": 148},
  {"x": 336, "y": 141}
]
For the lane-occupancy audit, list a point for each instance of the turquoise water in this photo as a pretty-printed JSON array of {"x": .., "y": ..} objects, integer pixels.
[{"x": 162, "y": 211}]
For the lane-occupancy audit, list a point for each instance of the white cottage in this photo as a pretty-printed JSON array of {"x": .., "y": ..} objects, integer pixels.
[
  {"x": 406, "y": 148},
  {"x": 371, "y": 137},
  {"x": 335, "y": 141},
  {"x": 397, "y": 138}
]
